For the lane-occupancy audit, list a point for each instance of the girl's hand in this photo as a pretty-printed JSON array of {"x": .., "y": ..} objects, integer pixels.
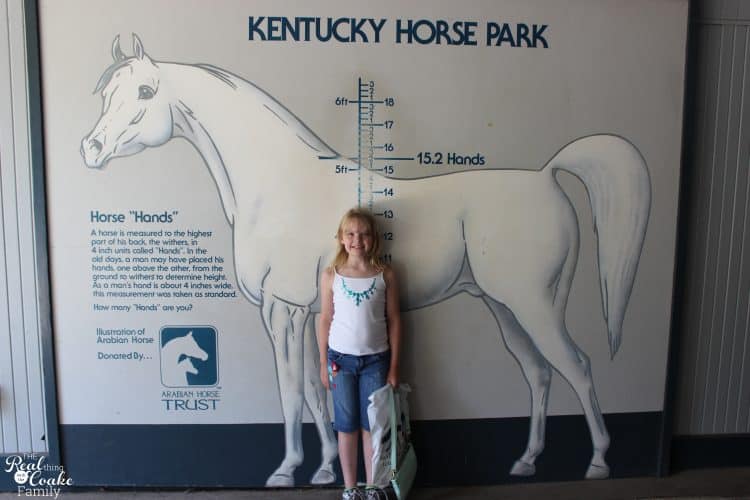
[
  {"x": 393, "y": 377},
  {"x": 324, "y": 375}
]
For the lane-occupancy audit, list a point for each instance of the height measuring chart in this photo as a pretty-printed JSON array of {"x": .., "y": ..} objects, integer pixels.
[
  {"x": 373, "y": 157},
  {"x": 522, "y": 161},
  {"x": 378, "y": 157}
]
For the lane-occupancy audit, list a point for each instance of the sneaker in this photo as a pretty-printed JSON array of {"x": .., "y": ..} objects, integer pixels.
[
  {"x": 352, "y": 494},
  {"x": 375, "y": 493}
]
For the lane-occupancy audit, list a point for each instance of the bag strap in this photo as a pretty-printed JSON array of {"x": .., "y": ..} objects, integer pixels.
[{"x": 394, "y": 431}]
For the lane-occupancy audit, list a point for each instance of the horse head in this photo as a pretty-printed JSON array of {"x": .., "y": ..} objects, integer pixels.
[
  {"x": 136, "y": 110},
  {"x": 187, "y": 366},
  {"x": 189, "y": 347}
]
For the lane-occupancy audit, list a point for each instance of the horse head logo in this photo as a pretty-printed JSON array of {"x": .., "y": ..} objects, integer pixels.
[
  {"x": 177, "y": 357},
  {"x": 136, "y": 111},
  {"x": 186, "y": 365}
]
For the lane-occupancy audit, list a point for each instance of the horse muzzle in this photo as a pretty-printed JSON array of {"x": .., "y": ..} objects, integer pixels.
[{"x": 92, "y": 152}]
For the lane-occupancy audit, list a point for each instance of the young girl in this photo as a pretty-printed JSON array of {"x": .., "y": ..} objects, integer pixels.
[{"x": 359, "y": 337}]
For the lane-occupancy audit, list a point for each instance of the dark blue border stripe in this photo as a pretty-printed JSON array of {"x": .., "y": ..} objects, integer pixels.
[
  {"x": 450, "y": 452},
  {"x": 481, "y": 452},
  {"x": 697, "y": 452}
]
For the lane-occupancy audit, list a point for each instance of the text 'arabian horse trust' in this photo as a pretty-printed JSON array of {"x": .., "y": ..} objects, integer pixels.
[{"x": 509, "y": 237}]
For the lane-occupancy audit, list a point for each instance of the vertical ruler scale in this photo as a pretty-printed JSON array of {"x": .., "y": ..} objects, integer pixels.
[
  {"x": 373, "y": 171},
  {"x": 367, "y": 107},
  {"x": 366, "y": 138}
]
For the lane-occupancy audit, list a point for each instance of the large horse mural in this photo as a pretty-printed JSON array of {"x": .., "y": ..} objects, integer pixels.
[{"x": 508, "y": 237}]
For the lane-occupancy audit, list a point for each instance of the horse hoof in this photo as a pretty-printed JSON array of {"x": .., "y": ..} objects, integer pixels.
[
  {"x": 324, "y": 475},
  {"x": 597, "y": 472},
  {"x": 279, "y": 480},
  {"x": 522, "y": 469}
]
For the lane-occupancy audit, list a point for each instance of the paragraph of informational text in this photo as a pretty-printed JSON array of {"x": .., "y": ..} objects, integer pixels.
[{"x": 161, "y": 269}]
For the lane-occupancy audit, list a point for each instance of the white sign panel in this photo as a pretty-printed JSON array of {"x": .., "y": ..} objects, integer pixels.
[{"x": 522, "y": 159}]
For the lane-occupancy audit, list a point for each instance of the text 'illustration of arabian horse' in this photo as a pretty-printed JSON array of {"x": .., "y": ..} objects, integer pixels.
[{"x": 509, "y": 237}]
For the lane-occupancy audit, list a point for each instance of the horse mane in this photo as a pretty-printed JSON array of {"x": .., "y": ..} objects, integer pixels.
[
  {"x": 218, "y": 73},
  {"x": 281, "y": 112},
  {"x": 109, "y": 72}
]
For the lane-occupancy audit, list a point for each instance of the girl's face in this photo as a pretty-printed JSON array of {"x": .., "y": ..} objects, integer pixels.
[{"x": 357, "y": 238}]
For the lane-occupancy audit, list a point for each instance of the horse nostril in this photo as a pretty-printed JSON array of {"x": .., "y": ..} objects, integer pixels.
[{"x": 96, "y": 145}]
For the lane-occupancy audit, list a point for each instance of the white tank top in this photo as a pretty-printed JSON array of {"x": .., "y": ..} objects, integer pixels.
[{"x": 358, "y": 325}]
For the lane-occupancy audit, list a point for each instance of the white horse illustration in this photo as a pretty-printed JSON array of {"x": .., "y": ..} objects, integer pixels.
[
  {"x": 509, "y": 237},
  {"x": 176, "y": 360}
]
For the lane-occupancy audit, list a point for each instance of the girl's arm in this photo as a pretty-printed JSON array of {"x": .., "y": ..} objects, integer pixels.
[
  {"x": 393, "y": 317},
  {"x": 324, "y": 322}
]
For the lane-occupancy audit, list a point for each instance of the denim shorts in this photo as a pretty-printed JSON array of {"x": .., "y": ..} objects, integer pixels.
[{"x": 351, "y": 385}]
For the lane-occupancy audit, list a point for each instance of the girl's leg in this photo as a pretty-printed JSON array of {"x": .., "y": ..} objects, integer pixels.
[
  {"x": 348, "y": 447},
  {"x": 367, "y": 452},
  {"x": 344, "y": 389}
]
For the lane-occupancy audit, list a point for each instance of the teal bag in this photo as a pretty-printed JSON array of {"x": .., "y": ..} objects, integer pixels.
[{"x": 402, "y": 474}]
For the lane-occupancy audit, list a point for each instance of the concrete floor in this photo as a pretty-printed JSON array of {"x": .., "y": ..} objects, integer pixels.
[{"x": 713, "y": 484}]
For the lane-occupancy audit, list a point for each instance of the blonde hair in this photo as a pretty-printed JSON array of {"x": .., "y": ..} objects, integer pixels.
[{"x": 368, "y": 219}]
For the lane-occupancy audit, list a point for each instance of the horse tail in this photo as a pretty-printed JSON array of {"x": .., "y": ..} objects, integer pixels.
[{"x": 619, "y": 191}]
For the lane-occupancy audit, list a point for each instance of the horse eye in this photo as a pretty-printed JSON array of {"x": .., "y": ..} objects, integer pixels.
[{"x": 145, "y": 92}]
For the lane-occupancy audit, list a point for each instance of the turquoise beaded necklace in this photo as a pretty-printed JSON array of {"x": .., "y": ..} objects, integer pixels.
[{"x": 358, "y": 297}]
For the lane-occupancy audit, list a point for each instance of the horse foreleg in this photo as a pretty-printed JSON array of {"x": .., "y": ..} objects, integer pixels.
[
  {"x": 546, "y": 328},
  {"x": 316, "y": 398},
  {"x": 285, "y": 326},
  {"x": 538, "y": 375}
]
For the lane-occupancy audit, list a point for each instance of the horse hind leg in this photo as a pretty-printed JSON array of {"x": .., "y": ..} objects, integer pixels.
[
  {"x": 546, "y": 327},
  {"x": 316, "y": 398},
  {"x": 538, "y": 375}
]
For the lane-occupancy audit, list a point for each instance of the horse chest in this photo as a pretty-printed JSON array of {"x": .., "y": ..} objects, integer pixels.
[{"x": 277, "y": 258}]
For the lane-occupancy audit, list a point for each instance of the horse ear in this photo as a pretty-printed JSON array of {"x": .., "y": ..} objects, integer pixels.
[
  {"x": 138, "y": 47},
  {"x": 117, "y": 53}
]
